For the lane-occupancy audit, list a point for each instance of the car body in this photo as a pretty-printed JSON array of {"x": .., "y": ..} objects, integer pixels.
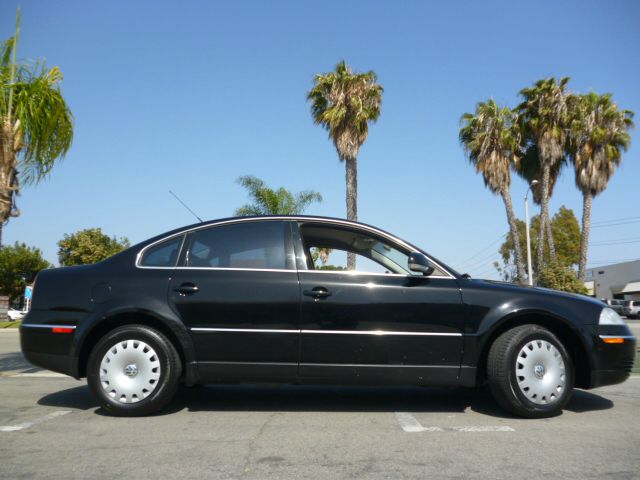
[
  {"x": 616, "y": 305},
  {"x": 241, "y": 300},
  {"x": 631, "y": 309},
  {"x": 14, "y": 314}
]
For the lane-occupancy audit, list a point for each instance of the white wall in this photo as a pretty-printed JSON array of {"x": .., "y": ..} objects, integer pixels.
[{"x": 610, "y": 279}]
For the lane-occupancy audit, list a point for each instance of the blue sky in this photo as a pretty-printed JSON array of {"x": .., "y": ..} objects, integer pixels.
[{"x": 190, "y": 95}]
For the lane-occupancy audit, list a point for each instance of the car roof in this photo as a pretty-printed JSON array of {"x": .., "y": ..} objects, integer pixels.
[{"x": 307, "y": 218}]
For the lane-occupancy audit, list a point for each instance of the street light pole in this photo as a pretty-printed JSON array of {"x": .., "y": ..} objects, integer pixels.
[{"x": 526, "y": 214}]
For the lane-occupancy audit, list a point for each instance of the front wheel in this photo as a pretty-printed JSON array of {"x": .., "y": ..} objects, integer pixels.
[
  {"x": 134, "y": 370},
  {"x": 530, "y": 372}
]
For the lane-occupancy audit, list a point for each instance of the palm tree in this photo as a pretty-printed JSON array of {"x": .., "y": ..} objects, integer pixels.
[
  {"x": 36, "y": 126},
  {"x": 529, "y": 169},
  {"x": 599, "y": 135},
  {"x": 490, "y": 138},
  {"x": 267, "y": 201},
  {"x": 544, "y": 117},
  {"x": 344, "y": 103}
]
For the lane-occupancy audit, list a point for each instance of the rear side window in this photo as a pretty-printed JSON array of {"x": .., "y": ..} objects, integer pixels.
[
  {"x": 251, "y": 245},
  {"x": 163, "y": 254}
]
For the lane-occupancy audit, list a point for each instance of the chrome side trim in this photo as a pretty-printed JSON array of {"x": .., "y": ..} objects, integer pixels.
[
  {"x": 31, "y": 325},
  {"x": 626, "y": 337},
  {"x": 328, "y": 332},
  {"x": 381, "y": 333},
  {"x": 246, "y": 330}
]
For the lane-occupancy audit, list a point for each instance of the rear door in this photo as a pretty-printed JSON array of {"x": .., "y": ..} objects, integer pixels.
[{"x": 237, "y": 290}]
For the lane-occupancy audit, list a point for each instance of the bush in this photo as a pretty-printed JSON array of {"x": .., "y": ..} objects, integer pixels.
[{"x": 557, "y": 276}]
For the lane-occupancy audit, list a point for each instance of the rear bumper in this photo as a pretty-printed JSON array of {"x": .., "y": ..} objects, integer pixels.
[{"x": 45, "y": 348}]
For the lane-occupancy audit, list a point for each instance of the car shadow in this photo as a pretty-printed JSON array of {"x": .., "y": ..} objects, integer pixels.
[
  {"x": 15, "y": 362},
  {"x": 291, "y": 398}
]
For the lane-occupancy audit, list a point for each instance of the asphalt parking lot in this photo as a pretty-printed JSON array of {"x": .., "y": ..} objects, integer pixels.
[{"x": 50, "y": 427}]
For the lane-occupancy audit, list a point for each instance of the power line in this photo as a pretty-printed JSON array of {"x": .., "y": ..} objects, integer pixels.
[
  {"x": 601, "y": 263},
  {"x": 615, "y": 224},
  {"x": 483, "y": 250},
  {"x": 478, "y": 263},
  {"x": 486, "y": 271},
  {"x": 614, "y": 242},
  {"x": 615, "y": 220}
]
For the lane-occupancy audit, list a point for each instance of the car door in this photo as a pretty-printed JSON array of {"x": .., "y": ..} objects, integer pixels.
[
  {"x": 390, "y": 326},
  {"x": 236, "y": 289}
]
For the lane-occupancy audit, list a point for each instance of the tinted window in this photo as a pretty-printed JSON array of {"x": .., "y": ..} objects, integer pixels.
[
  {"x": 164, "y": 254},
  {"x": 241, "y": 245},
  {"x": 327, "y": 248}
]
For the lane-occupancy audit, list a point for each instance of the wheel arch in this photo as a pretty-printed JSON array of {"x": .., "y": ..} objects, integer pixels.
[
  {"x": 568, "y": 334},
  {"x": 177, "y": 335}
]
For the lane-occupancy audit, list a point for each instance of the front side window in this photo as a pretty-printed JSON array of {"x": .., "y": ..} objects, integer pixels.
[
  {"x": 326, "y": 248},
  {"x": 250, "y": 245},
  {"x": 164, "y": 254}
]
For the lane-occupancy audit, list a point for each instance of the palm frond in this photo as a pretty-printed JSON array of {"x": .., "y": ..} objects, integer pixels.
[{"x": 267, "y": 201}]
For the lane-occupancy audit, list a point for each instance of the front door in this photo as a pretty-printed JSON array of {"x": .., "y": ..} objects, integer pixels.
[
  {"x": 380, "y": 323},
  {"x": 237, "y": 291}
]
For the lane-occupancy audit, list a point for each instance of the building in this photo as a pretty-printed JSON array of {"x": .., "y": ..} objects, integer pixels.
[{"x": 620, "y": 280}]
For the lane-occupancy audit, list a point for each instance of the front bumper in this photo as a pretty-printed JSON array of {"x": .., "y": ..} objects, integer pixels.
[{"x": 612, "y": 362}]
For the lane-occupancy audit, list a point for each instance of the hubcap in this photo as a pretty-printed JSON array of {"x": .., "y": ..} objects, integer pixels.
[
  {"x": 540, "y": 372},
  {"x": 129, "y": 371}
]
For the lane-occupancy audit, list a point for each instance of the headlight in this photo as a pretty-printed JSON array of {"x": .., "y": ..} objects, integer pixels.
[{"x": 610, "y": 317}]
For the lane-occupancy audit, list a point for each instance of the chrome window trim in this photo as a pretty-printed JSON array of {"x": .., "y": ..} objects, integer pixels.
[
  {"x": 31, "y": 325},
  {"x": 140, "y": 254},
  {"x": 291, "y": 219},
  {"x": 238, "y": 269},
  {"x": 328, "y": 332},
  {"x": 356, "y": 273}
]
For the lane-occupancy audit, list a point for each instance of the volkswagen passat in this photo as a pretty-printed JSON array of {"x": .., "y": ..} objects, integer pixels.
[{"x": 242, "y": 300}]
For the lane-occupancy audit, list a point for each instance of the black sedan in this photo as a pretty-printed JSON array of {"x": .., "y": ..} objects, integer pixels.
[{"x": 255, "y": 299}]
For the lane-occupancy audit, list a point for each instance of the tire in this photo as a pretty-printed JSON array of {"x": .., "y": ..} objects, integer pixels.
[
  {"x": 530, "y": 372},
  {"x": 134, "y": 370}
]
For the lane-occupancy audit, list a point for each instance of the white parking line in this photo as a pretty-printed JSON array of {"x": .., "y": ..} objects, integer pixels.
[
  {"x": 410, "y": 424},
  {"x": 33, "y": 375},
  {"x": 44, "y": 418}
]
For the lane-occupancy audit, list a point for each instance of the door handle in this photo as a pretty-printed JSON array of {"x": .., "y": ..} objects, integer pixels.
[
  {"x": 186, "y": 289},
  {"x": 317, "y": 293}
]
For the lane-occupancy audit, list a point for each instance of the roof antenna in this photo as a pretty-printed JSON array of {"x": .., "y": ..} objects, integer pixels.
[{"x": 186, "y": 206}]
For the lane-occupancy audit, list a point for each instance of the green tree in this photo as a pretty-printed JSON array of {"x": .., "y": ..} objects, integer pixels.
[
  {"x": 560, "y": 277},
  {"x": 491, "y": 139},
  {"x": 36, "y": 125},
  {"x": 599, "y": 135},
  {"x": 344, "y": 103},
  {"x": 88, "y": 246},
  {"x": 566, "y": 234},
  {"x": 544, "y": 120},
  {"x": 267, "y": 201},
  {"x": 19, "y": 265}
]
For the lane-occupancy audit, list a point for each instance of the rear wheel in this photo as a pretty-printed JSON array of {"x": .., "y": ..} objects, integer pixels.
[
  {"x": 134, "y": 370},
  {"x": 530, "y": 372}
]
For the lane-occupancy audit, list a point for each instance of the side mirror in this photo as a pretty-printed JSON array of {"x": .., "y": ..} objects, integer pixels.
[{"x": 418, "y": 262}]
